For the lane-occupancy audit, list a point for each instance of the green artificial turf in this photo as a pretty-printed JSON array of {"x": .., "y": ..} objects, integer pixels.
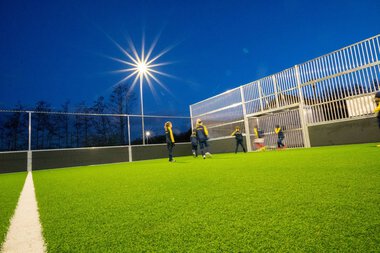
[
  {"x": 10, "y": 189},
  {"x": 308, "y": 200}
]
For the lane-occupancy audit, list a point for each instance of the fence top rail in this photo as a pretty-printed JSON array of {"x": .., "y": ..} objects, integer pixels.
[
  {"x": 266, "y": 77},
  {"x": 88, "y": 148},
  {"x": 340, "y": 49},
  {"x": 218, "y": 95},
  {"x": 255, "y": 82},
  {"x": 95, "y": 114},
  {"x": 287, "y": 69}
]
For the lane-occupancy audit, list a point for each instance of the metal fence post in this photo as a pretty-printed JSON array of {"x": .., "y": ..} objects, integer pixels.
[
  {"x": 305, "y": 129},
  {"x": 246, "y": 123},
  {"x": 129, "y": 141},
  {"x": 29, "y": 154},
  {"x": 191, "y": 119},
  {"x": 260, "y": 95},
  {"x": 143, "y": 129},
  {"x": 275, "y": 90}
]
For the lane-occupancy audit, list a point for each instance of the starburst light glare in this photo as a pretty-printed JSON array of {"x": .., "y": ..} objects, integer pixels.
[{"x": 142, "y": 67}]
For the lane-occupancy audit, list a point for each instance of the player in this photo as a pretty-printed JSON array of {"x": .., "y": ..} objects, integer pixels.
[
  {"x": 377, "y": 109},
  {"x": 280, "y": 136},
  {"x": 239, "y": 139},
  {"x": 194, "y": 144},
  {"x": 259, "y": 140},
  {"x": 169, "y": 139},
  {"x": 202, "y": 136}
]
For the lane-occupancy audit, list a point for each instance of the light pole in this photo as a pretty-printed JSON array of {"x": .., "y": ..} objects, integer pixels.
[
  {"x": 142, "y": 110},
  {"x": 142, "y": 69},
  {"x": 142, "y": 66}
]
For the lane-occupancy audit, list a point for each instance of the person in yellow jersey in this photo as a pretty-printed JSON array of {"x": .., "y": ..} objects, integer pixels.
[
  {"x": 239, "y": 139},
  {"x": 170, "y": 142},
  {"x": 259, "y": 140},
  {"x": 202, "y": 136},
  {"x": 377, "y": 109},
  {"x": 194, "y": 144},
  {"x": 280, "y": 136}
]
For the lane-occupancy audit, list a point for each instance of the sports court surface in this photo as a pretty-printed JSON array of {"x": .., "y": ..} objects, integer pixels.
[{"x": 319, "y": 199}]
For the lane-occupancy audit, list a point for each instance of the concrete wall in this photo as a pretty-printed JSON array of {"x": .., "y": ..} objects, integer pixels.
[
  {"x": 78, "y": 157},
  {"x": 13, "y": 162},
  {"x": 347, "y": 132},
  {"x": 183, "y": 149},
  {"x": 224, "y": 146},
  {"x": 49, "y": 159},
  {"x": 159, "y": 151}
]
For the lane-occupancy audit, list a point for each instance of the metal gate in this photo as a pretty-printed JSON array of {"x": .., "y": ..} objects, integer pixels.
[{"x": 288, "y": 120}]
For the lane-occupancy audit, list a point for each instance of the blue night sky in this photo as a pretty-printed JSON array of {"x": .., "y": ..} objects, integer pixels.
[{"x": 54, "y": 50}]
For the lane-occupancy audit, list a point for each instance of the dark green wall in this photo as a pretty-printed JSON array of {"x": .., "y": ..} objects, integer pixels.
[
  {"x": 159, "y": 151},
  {"x": 347, "y": 132},
  {"x": 13, "y": 162},
  {"x": 78, "y": 157},
  {"x": 224, "y": 146}
]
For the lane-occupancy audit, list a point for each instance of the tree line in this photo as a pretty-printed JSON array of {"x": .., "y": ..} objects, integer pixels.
[{"x": 64, "y": 130}]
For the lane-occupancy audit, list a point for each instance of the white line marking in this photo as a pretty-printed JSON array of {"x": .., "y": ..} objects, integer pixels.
[{"x": 25, "y": 232}]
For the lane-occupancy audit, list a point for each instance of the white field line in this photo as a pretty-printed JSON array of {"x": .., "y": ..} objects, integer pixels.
[{"x": 25, "y": 233}]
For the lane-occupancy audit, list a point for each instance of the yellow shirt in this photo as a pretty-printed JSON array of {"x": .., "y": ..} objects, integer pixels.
[
  {"x": 377, "y": 109},
  {"x": 169, "y": 134},
  {"x": 200, "y": 127},
  {"x": 256, "y": 132}
]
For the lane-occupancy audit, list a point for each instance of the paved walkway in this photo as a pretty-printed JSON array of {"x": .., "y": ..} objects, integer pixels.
[{"x": 25, "y": 233}]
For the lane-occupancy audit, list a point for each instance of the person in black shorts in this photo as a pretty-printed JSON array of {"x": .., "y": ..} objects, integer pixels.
[
  {"x": 202, "y": 136},
  {"x": 194, "y": 144},
  {"x": 377, "y": 109},
  {"x": 239, "y": 139},
  {"x": 280, "y": 136},
  {"x": 170, "y": 142}
]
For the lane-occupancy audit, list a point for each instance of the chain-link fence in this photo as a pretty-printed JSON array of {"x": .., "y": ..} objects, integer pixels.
[{"x": 56, "y": 130}]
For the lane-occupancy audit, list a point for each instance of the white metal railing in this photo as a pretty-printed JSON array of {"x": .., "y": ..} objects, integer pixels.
[
  {"x": 336, "y": 86},
  {"x": 361, "y": 54},
  {"x": 340, "y": 85},
  {"x": 35, "y": 130},
  {"x": 219, "y": 101}
]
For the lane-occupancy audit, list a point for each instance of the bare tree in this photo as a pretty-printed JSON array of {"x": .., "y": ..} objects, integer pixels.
[
  {"x": 122, "y": 101},
  {"x": 101, "y": 123},
  {"x": 64, "y": 120},
  {"x": 42, "y": 122},
  {"x": 14, "y": 129},
  {"x": 82, "y": 124}
]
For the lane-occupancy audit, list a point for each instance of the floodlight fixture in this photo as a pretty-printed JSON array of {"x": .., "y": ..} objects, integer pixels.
[{"x": 141, "y": 67}]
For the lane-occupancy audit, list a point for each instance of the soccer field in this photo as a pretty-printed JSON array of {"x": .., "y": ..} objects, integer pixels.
[
  {"x": 320, "y": 200},
  {"x": 10, "y": 188}
]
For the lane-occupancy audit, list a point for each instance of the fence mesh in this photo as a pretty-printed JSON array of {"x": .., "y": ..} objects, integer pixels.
[
  {"x": 13, "y": 131},
  {"x": 50, "y": 130},
  {"x": 290, "y": 123}
]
